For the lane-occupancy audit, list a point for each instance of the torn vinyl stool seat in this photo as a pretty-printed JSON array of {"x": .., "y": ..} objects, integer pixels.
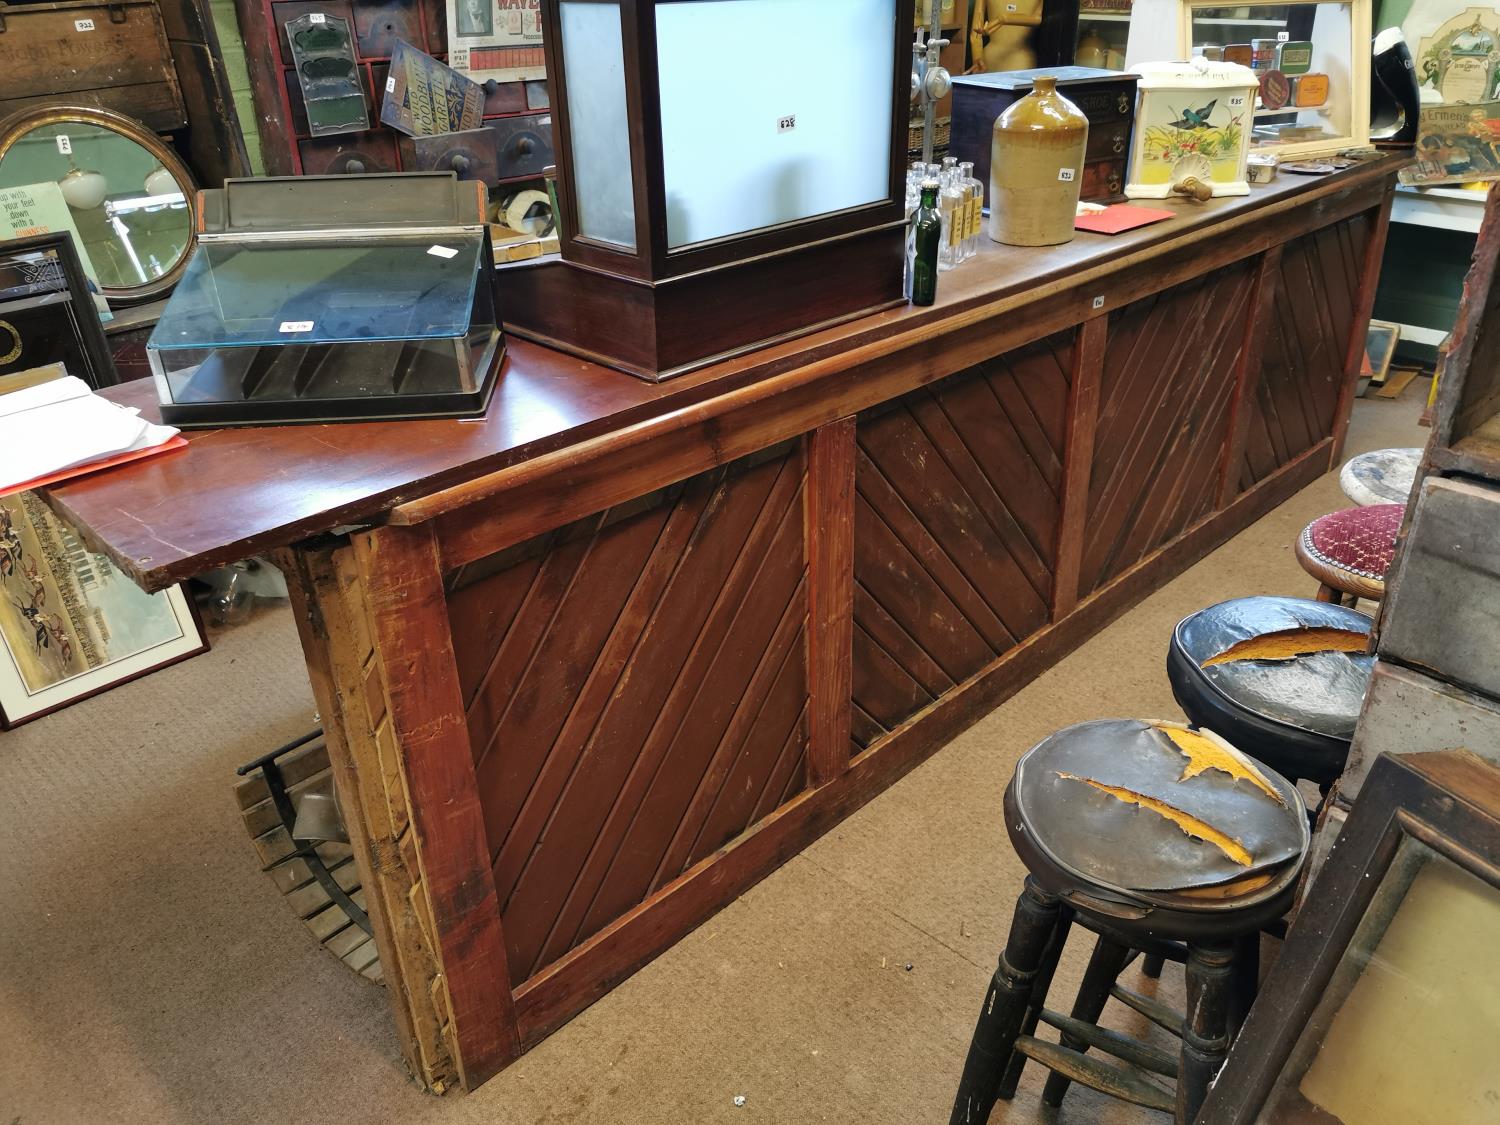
[
  {"x": 1282, "y": 679},
  {"x": 1349, "y": 551},
  {"x": 1162, "y": 840}
]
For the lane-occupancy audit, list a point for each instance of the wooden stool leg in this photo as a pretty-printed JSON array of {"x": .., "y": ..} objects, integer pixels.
[
  {"x": 1108, "y": 959},
  {"x": 1205, "y": 1031},
  {"x": 1246, "y": 976},
  {"x": 1005, "y": 1004},
  {"x": 1044, "y": 973},
  {"x": 1327, "y": 593},
  {"x": 1152, "y": 964}
]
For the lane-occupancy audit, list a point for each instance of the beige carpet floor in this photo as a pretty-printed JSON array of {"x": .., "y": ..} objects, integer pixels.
[{"x": 150, "y": 973}]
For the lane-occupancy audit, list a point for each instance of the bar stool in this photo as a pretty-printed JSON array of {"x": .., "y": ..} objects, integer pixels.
[
  {"x": 1350, "y": 550},
  {"x": 1281, "y": 679},
  {"x": 1381, "y": 476},
  {"x": 1158, "y": 838}
]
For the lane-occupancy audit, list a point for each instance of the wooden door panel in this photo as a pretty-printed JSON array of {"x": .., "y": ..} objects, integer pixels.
[
  {"x": 958, "y": 490},
  {"x": 1167, "y": 381},
  {"x": 1297, "y": 394},
  {"x": 636, "y": 693}
]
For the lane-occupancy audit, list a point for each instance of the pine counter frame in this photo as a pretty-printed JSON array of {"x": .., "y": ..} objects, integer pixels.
[{"x": 1165, "y": 397}]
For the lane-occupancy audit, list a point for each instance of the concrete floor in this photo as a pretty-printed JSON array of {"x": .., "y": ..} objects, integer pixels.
[{"x": 149, "y": 973}]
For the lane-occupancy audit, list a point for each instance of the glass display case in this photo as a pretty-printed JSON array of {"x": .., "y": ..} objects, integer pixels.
[
  {"x": 332, "y": 298},
  {"x": 701, "y": 156}
]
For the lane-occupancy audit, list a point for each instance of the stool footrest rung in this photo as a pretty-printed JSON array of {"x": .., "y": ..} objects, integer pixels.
[
  {"x": 1114, "y": 1043},
  {"x": 1154, "y": 1010},
  {"x": 1107, "y": 1078}
]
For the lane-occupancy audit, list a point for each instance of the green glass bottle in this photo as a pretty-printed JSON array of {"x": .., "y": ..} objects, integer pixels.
[{"x": 927, "y": 237}]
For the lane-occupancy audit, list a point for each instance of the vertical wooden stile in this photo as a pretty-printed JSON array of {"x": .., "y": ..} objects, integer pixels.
[
  {"x": 413, "y": 645},
  {"x": 1242, "y": 405},
  {"x": 828, "y": 535},
  {"x": 1078, "y": 459}
]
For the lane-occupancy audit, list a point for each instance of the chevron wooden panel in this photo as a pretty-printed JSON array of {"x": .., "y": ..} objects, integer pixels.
[
  {"x": 1297, "y": 394},
  {"x": 956, "y": 518},
  {"x": 636, "y": 692},
  {"x": 1168, "y": 378}
]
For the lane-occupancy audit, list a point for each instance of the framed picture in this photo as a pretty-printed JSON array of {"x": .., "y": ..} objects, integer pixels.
[
  {"x": 496, "y": 39},
  {"x": 1380, "y": 345},
  {"x": 71, "y": 625},
  {"x": 47, "y": 311},
  {"x": 1383, "y": 1004}
]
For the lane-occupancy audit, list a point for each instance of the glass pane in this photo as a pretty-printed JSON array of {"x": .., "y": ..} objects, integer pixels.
[
  {"x": 1302, "y": 55},
  {"x": 594, "y": 62},
  {"x": 130, "y": 213},
  {"x": 754, "y": 132},
  {"x": 1407, "y": 1027},
  {"x": 235, "y": 294}
]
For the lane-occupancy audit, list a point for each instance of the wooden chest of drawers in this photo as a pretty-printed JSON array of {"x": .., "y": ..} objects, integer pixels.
[
  {"x": 78, "y": 52},
  {"x": 1106, "y": 98}
]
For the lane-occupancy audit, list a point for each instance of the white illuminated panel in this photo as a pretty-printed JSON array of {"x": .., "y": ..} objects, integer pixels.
[
  {"x": 756, "y": 129},
  {"x": 599, "y": 130}
]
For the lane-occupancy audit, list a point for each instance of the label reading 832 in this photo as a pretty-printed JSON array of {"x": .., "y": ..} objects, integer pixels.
[{"x": 1067, "y": 175}]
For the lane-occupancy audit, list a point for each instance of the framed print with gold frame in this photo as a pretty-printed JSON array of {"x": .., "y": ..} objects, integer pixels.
[
  {"x": 71, "y": 625},
  {"x": 1314, "y": 107}
]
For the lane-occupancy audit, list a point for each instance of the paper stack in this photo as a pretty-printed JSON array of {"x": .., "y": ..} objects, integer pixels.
[{"x": 61, "y": 428}]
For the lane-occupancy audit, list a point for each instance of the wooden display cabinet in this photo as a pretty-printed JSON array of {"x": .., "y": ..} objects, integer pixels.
[{"x": 714, "y": 203}]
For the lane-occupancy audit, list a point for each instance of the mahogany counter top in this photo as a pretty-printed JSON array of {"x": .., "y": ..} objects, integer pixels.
[{"x": 239, "y": 492}]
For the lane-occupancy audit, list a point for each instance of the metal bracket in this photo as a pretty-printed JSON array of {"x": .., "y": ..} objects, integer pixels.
[{"x": 270, "y": 771}]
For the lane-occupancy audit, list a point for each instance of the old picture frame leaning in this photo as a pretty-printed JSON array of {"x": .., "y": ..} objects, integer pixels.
[
  {"x": 1372, "y": 1008},
  {"x": 47, "y": 312},
  {"x": 71, "y": 626}
]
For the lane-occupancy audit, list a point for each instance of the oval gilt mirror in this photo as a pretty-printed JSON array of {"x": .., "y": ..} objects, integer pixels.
[{"x": 126, "y": 191}]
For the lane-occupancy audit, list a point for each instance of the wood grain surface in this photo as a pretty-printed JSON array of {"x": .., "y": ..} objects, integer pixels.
[{"x": 234, "y": 493}]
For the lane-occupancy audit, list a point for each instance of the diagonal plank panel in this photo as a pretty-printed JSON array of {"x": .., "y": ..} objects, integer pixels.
[
  {"x": 1165, "y": 390},
  {"x": 636, "y": 692},
  {"x": 956, "y": 524},
  {"x": 1297, "y": 394}
]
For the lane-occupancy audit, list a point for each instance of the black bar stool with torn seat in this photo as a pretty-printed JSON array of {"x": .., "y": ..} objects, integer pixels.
[
  {"x": 1160, "y": 839},
  {"x": 1281, "y": 679}
]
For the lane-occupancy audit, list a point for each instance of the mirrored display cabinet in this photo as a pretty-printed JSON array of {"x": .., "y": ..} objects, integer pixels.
[{"x": 720, "y": 186}]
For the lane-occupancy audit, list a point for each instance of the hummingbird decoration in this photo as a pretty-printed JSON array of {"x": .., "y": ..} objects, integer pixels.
[{"x": 1195, "y": 118}]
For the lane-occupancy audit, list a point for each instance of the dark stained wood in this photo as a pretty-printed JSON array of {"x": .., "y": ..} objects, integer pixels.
[
  {"x": 1078, "y": 451},
  {"x": 1303, "y": 372},
  {"x": 1257, "y": 326},
  {"x": 1163, "y": 418},
  {"x": 172, "y": 517},
  {"x": 1367, "y": 281},
  {"x": 828, "y": 514},
  {"x": 404, "y": 592},
  {"x": 646, "y": 701}
]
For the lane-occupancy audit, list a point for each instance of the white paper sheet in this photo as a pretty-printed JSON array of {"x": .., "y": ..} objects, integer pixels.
[{"x": 63, "y": 424}]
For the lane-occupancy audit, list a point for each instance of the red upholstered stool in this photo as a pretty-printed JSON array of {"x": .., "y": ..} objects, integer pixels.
[{"x": 1349, "y": 551}]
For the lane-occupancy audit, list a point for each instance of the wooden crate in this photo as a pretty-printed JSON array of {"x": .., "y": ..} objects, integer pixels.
[{"x": 80, "y": 53}]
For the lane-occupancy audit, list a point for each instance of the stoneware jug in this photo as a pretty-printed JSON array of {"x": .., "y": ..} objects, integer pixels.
[{"x": 1036, "y": 168}]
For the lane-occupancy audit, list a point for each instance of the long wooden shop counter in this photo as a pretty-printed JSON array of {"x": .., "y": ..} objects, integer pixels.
[{"x": 594, "y": 664}]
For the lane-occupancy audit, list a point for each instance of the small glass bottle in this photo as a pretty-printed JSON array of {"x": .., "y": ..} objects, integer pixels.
[
  {"x": 954, "y": 215},
  {"x": 976, "y": 208},
  {"x": 927, "y": 237}
]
